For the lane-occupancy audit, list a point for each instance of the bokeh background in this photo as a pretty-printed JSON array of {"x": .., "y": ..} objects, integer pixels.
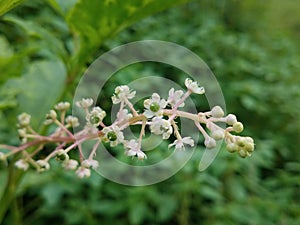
[{"x": 252, "y": 48}]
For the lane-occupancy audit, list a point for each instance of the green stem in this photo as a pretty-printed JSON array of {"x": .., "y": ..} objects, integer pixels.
[{"x": 9, "y": 194}]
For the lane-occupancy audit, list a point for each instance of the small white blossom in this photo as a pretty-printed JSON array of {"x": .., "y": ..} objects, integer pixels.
[
  {"x": 82, "y": 172},
  {"x": 161, "y": 126},
  {"x": 179, "y": 143},
  {"x": 62, "y": 155},
  {"x": 154, "y": 106},
  {"x": 24, "y": 120},
  {"x": 133, "y": 149},
  {"x": 85, "y": 103},
  {"x": 62, "y": 106},
  {"x": 124, "y": 115},
  {"x": 175, "y": 97},
  {"x": 113, "y": 135},
  {"x": 121, "y": 93},
  {"x": 193, "y": 86},
  {"x": 72, "y": 121},
  {"x": 22, "y": 164},
  {"x": 96, "y": 116},
  {"x": 90, "y": 163},
  {"x": 44, "y": 165},
  {"x": 70, "y": 164}
]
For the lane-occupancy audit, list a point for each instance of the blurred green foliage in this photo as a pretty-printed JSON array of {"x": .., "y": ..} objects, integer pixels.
[{"x": 256, "y": 64}]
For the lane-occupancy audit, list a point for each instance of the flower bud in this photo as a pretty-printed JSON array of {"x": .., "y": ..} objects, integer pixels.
[
  {"x": 24, "y": 120},
  {"x": 217, "y": 112},
  {"x": 62, "y": 106},
  {"x": 210, "y": 143},
  {"x": 231, "y": 119},
  {"x": 217, "y": 134},
  {"x": 243, "y": 153},
  {"x": 52, "y": 115},
  {"x": 249, "y": 147},
  {"x": 231, "y": 147},
  {"x": 238, "y": 127}
]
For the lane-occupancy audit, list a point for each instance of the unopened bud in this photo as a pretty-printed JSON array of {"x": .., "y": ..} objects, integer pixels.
[
  {"x": 210, "y": 143},
  {"x": 217, "y": 112},
  {"x": 231, "y": 119},
  {"x": 238, "y": 127}
]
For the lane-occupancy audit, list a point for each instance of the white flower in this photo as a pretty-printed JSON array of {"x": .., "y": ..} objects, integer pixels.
[
  {"x": 62, "y": 106},
  {"x": 90, "y": 163},
  {"x": 175, "y": 97},
  {"x": 72, "y": 121},
  {"x": 179, "y": 143},
  {"x": 85, "y": 103},
  {"x": 70, "y": 164},
  {"x": 124, "y": 115},
  {"x": 121, "y": 93},
  {"x": 96, "y": 116},
  {"x": 62, "y": 155},
  {"x": 133, "y": 149},
  {"x": 193, "y": 86},
  {"x": 161, "y": 126},
  {"x": 154, "y": 106},
  {"x": 22, "y": 164},
  {"x": 24, "y": 119},
  {"x": 113, "y": 135},
  {"x": 82, "y": 172},
  {"x": 44, "y": 165}
]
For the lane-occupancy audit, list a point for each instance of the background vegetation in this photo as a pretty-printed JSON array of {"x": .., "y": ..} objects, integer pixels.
[{"x": 250, "y": 46}]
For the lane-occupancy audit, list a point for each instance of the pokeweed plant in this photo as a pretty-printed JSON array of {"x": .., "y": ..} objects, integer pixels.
[{"x": 158, "y": 114}]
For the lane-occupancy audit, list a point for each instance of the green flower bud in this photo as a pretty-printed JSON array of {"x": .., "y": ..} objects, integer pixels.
[
  {"x": 243, "y": 153},
  {"x": 249, "y": 147},
  {"x": 217, "y": 112},
  {"x": 238, "y": 127},
  {"x": 231, "y": 147},
  {"x": 94, "y": 119},
  {"x": 154, "y": 107},
  {"x": 112, "y": 136}
]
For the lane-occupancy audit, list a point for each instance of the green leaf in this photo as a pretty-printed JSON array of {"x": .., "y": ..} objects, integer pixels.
[
  {"x": 40, "y": 88},
  {"x": 6, "y": 5},
  {"x": 46, "y": 42},
  {"x": 137, "y": 213},
  {"x": 95, "y": 21},
  {"x": 11, "y": 64}
]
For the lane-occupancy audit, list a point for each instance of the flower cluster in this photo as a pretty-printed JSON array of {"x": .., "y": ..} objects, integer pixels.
[{"x": 158, "y": 114}]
